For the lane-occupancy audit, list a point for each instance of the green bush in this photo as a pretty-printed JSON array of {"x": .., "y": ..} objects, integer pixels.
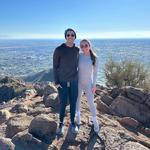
[{"x": 127, "y": 73}]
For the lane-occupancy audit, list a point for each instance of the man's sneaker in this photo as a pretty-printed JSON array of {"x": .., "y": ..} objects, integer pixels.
[
  {"x": 77, "y": 118},
  {"x": 96, "y": 127},
  {"x": 74, "y": 128},
  {"x": 60, "y": 129}
]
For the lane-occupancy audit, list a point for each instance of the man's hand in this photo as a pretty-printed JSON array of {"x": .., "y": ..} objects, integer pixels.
[{"x": 58, "y": 85}]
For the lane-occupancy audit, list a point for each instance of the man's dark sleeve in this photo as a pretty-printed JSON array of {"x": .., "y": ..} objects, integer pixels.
[{"x": 56, "y": 61}]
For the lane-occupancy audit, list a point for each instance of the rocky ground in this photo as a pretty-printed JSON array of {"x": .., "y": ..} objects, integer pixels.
[{"x": 29, "y": 120}]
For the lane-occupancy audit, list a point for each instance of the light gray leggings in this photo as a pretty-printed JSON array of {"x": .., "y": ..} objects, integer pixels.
[{"x": 90, "y": 98}]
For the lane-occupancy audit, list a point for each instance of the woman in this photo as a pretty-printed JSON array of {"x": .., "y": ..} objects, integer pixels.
[{"x": 88, "y": 66}]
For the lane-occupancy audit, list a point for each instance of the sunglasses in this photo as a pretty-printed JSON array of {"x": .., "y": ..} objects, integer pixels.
[
  {"x": 72, "y": 35},
  {"x": 84, "y": 46}
]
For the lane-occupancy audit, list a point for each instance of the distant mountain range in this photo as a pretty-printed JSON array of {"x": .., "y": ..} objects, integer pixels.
[{"x": 45, "y": 75}]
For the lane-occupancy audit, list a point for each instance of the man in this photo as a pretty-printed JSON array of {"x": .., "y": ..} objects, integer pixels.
[{"x": 65, "y": 67}]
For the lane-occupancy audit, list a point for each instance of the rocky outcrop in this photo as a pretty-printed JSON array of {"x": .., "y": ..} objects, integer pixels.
[
  {"x": 31, "y": 123},
  {"x": 11, "y": 87},
  {"x": 126, "y": 102},
  {"x": 125, "y": 107}
]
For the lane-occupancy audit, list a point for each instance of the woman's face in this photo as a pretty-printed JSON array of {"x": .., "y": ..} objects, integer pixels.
[{"x": 85, "y": 47}]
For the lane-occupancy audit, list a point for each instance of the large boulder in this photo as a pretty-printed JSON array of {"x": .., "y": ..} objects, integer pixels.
[
  {"x": 6, "y": 144},
  {"x": 127, "y": 108},
  {"x": 17, "y": 124},
  {"x": 43, "y": 127},
  {"x": 4, "y": 115},
  {"x": 136, "y": 94},
  {"x": 26, "y": 141}
]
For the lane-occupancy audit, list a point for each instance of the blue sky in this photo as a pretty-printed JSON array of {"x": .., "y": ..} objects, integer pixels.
[{"x": 90, "y": 18}]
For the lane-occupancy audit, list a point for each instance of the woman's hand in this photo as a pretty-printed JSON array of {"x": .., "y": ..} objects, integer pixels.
[{"x": 93, "y": 89}]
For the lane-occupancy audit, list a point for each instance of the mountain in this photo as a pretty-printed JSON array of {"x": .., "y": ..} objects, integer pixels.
[{"x": 45, "y": 75}]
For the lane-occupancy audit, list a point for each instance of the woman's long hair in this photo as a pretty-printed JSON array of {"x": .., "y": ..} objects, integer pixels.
[{"x": 92, "y": 53}]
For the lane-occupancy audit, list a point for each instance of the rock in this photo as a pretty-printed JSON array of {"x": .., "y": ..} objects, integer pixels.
[
  {"x": 114, "y": 139},
  {"x": 4, "y": 115},
  {"x": 136, "y": 94},
  {"x": 11, "y": 80},
  {"x": 43, "y": 127},
  {"x": 117, "y": 139},
  {"x": 38, "y": 110},
  {"x": 148, "y": 101},
  {"x": 102, "y": 107},
  {"x": 39, "y": 87},
  {"x": 107, "y": 99},
  {"x": 51, "y": 100},
  {"x": 17, "y": 124},
  {"x": 25, "y": 141},
  {"x": 145, "y": 131},
  {"x": 100, "y": 90},
  {"x": 19, "y": 108},
  {"x": 11, "y": 87},
  {"x": 29, "y": 93},
  {"x": 128, "y": 121},
  {"x": 127, "y": 108},
  {"x": 6, "y": 144},
  {"x": 133, "y": 146},
  {"x": 6, "y": 93},
  {"x": 115, "y": 92},
  {"x": 50, "y": 89}
]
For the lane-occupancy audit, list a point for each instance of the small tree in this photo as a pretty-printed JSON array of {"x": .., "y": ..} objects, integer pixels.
[{"x": 126, "y": 73}]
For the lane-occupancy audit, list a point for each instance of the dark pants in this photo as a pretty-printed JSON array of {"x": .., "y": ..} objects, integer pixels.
[{"x": 69, "y": 91}]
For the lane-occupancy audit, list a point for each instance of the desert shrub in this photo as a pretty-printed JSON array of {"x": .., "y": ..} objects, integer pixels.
[{"x": 126, "y": 73}]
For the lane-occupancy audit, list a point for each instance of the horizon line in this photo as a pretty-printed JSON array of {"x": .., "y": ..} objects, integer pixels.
[{"x": 80, "y": 35}]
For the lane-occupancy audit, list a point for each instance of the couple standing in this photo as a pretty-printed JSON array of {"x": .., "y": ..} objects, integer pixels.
[{"x": 74, "y": 73}]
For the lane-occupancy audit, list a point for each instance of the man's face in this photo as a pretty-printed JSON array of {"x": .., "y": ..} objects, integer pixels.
[{"x": 70, "y": 36}]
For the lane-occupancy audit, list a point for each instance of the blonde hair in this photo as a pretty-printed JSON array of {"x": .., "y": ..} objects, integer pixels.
[{"x": 92, "y": 53}]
